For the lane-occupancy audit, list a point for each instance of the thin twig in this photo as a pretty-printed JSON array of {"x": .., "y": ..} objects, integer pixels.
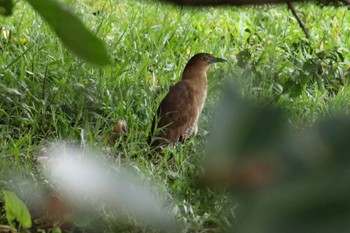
[{"x": 301, "y": 24}]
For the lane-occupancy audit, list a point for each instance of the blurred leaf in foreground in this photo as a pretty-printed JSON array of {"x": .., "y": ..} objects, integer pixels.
[
  {"x": 6, "y": 7},
  {"x": 242, "y": 130},
  {"x": 91, "y": 183},
  {"x": 71, "y": 31},
  {"x": 288, "y": 182},
  {"x": 16, "y": 210},
  {"x": 313, "y": 196}
]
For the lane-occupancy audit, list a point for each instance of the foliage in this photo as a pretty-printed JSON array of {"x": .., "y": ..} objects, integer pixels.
[
  {"x": 16, "y": 210},
  {"x": 6, "y": 7},
  {"x": 68, "y": 28},
  {"x": 286, "y": 182},
  {"x": 47, "y": 94}
]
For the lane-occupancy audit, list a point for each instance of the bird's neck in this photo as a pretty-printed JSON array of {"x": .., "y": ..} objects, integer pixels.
[
  {"x": 195, "y": 74},
  {"x": 198, "y": 77}
]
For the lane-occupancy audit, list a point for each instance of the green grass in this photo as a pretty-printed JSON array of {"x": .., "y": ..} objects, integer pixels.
[{"x": 46, "y": 93}]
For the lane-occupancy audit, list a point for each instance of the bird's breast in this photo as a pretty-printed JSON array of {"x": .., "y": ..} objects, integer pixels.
[{"x": 200, "y": 97}]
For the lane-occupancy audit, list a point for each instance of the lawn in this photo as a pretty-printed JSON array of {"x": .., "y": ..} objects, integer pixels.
[{"x": 49, "y": 94}]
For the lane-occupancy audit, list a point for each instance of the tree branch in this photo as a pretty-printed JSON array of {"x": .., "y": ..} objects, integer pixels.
[
  {"x": 301, "y": 24},
  {"x": 240, "y": 2}
]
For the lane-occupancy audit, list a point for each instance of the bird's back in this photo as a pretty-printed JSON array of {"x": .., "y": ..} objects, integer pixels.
[{"x": 176, "y": 114}]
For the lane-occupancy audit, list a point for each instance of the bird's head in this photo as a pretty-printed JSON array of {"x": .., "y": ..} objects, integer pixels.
[
  {"x": 120, "y": 127},
  {"x": 203, "y": 60}
]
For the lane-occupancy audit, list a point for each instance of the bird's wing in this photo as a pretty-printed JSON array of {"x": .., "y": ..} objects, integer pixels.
[{"x": 177, "y": 111}]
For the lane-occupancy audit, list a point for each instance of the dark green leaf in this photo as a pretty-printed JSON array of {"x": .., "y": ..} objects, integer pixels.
[
  {"x": 6, "y": 7},
  {"x": 16, "y": 210},
  {"x": 295, "y": 90},
  {"x": 71, "y": 31}
]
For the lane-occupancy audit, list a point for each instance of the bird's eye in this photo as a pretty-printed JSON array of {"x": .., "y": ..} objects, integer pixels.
[{"x": 206, "y": 58}]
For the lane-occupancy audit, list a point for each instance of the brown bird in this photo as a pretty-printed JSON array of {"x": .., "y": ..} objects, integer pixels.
[
  {"x": 178, "y": 112},
  {"x": 120, "y": 128}
]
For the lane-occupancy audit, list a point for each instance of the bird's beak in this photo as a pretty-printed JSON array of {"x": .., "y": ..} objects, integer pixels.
[{"x": 216, "y": 59}]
